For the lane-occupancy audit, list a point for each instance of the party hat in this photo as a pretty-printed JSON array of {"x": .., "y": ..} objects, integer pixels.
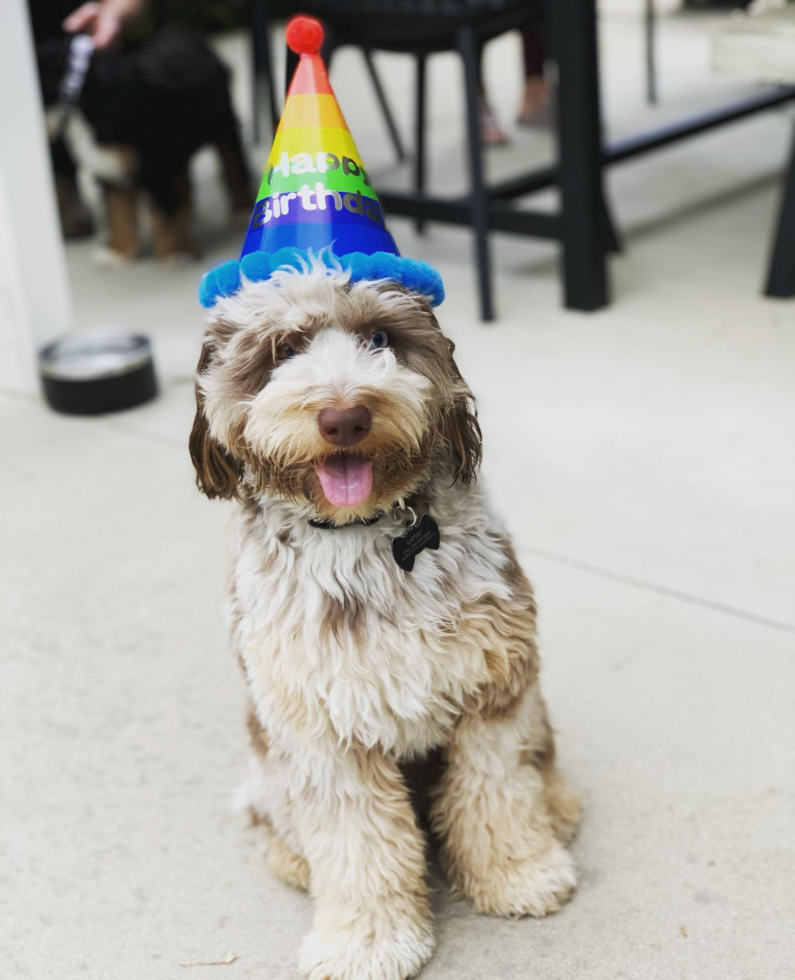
[{"x": 316, "y": 198}]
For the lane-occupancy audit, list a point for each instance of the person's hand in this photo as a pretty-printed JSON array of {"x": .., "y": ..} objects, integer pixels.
[{"x": 99, "y": 20}]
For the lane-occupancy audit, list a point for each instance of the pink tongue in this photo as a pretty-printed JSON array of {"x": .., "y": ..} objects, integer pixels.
[{"x": 347, "y": 481}]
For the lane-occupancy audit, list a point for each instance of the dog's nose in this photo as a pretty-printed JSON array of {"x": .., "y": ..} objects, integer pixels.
[{"x": 344, "y": 426}]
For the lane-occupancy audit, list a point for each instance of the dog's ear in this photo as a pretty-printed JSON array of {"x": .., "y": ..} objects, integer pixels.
[
  {"x": 217, "y": 472},
  {"x": 461, "y": 428}
]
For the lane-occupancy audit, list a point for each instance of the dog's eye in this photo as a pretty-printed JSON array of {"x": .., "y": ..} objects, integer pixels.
[
  {"x": 379, "y": 340},
  {"x": 287, "y": 351}
]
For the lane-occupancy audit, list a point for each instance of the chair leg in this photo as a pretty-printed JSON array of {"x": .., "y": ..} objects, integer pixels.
[
  {"x": 289, "y": 69},
  {"x": 781, "y": 269},
  {"x": 263, "y": 68},
  {"x": 572, "y": 30},
  {"x": 650, "y": 25},
  {"x": 389, "y": 119},
  {"x": 330, "y": 45},
  {"x": 468, "y": 49},
  {"x": 611, "y": 238},
  {"x": 419, "y": 145}
]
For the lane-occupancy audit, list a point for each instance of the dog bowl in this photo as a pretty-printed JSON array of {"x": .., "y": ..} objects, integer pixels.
[{"x": 97, "y": 372}]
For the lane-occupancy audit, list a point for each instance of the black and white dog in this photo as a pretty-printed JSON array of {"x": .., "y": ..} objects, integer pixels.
[{"x": 141, "y": 115}]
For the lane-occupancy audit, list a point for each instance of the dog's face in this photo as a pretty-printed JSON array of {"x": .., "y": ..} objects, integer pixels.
[{"x": 344, "y": 397}]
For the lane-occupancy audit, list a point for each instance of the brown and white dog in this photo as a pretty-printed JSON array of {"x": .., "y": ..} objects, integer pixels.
[{"x": 334, "y": 414}]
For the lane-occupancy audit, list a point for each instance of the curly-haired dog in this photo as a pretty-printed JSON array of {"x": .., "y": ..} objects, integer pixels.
[{"x": 335, "y": 414}]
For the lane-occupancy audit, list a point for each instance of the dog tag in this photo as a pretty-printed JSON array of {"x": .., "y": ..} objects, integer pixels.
[{"x": 424, "y": 534}]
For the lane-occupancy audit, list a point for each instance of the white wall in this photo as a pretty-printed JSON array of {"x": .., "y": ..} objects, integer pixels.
[{"x": 34, "y": 291}]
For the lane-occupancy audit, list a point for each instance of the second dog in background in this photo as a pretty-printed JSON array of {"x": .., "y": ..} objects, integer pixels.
[{"x": 142, "y": 114}]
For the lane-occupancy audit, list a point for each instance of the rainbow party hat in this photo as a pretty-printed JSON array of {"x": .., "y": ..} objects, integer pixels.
[{"x": 316, "y": 198}]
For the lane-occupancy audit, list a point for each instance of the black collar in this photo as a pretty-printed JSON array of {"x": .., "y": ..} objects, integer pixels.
[
  {"x": 330, "y": 526},
  {"x": 409, "y": 505}
]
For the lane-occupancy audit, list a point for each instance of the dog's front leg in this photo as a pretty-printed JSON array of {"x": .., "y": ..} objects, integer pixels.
[
  {"x": 121, "y": 211},
  {"x": 367, "y": 861},
  {"x": 502, "y": 812}
]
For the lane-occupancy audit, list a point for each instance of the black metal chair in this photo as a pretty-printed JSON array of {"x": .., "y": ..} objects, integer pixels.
[
  {"x": 425, "y": 27},
  {"x": 264, "y": 78},
  {"x": 422, "y": 28},
  {"x": 780, "y": 280}
]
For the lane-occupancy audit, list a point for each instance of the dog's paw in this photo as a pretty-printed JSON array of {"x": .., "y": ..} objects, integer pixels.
[
  {"x": 177, "y": 260},
  {"x": 529, "y": 886},
  {"x": 358, "y": 954},
  {"x": 564, "y": 806},
  {"x": 288, "y": 866},
  {"x": 108, "y": 258}
]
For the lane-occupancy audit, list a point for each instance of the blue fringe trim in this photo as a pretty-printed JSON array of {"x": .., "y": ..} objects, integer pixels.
[{"x": 418, "y": 276}]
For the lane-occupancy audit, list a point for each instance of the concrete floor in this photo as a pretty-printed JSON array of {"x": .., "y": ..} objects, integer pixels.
[{"x": 643, "y": 458}]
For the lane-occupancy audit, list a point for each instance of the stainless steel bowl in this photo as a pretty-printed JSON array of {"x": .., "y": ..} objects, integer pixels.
[{"x": 97, "y": 372}]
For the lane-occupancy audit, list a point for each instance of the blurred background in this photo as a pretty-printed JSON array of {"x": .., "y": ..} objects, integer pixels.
[{"x": 608, "y": 191}]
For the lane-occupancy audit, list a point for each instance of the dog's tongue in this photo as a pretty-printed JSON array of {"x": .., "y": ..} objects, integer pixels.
[{"x": 347, "y": 481}]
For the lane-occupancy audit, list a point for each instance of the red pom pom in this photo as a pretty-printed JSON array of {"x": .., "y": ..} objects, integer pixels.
[{"x": 304, "y": 35}]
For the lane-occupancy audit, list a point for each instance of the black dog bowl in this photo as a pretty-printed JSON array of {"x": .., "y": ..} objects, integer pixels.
[{"x": 92, "y": 373}]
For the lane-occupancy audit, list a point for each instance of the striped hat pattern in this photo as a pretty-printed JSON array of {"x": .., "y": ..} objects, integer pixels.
[{"x": 316, "y": 197}]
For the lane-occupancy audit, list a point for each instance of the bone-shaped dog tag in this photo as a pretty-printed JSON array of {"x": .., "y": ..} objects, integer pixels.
[{"x": 424, "y": 534}]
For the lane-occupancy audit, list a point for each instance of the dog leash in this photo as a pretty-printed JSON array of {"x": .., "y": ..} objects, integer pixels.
[{"x": 81, "y": 50}]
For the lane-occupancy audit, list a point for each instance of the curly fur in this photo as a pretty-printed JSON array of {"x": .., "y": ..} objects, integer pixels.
[{"x": 356, "y": 668}]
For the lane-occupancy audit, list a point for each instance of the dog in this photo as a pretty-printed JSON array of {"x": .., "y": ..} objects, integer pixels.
[
  {"x": 142, "y": 114},
  {"x": 381, "y": 618}
]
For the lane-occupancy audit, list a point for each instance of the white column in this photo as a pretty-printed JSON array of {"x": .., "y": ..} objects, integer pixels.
[{"x": 35, "y": 304}]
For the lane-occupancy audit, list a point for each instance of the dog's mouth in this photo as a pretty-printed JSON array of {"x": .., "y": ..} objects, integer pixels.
[{"x": 345, "y": 479}]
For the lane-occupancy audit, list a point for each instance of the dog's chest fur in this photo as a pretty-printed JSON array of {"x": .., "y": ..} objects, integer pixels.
[
  {"x": 338, "y": 640},
  {"x": 115, "y": 164}
]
